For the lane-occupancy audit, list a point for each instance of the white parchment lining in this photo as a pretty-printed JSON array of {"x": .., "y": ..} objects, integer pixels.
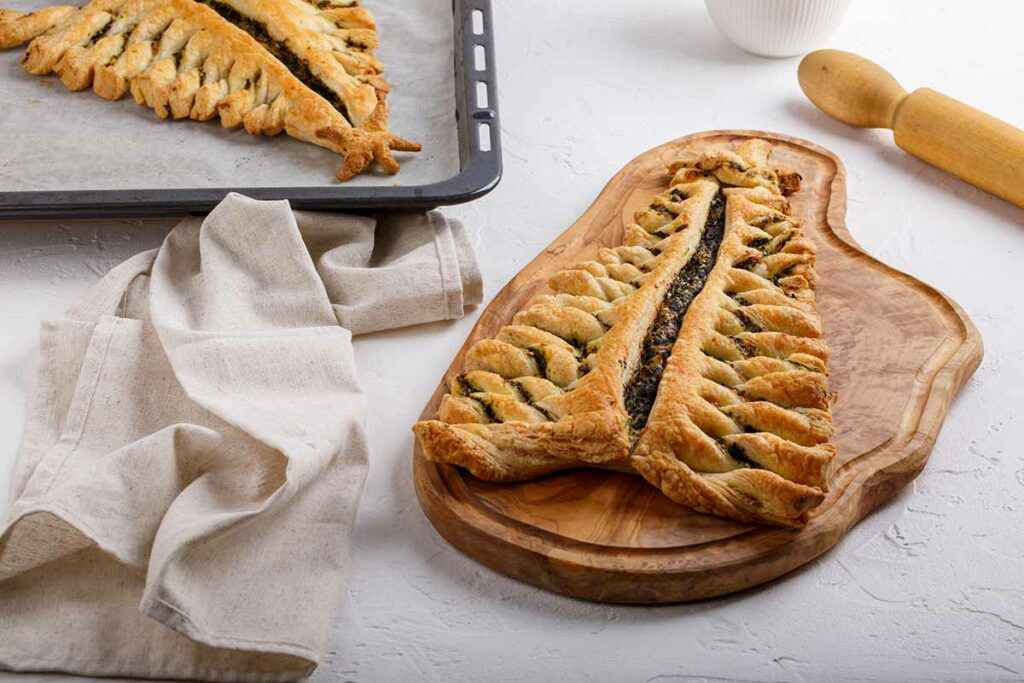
[{"x": 52, "y": 139}]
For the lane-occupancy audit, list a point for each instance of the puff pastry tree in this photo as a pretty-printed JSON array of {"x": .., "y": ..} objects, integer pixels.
[
  {"x": 307, "y": 69},
  {"x": 691, "y": 354}
]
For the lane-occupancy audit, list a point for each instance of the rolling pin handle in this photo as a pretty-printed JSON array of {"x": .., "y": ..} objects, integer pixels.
[
  {"x": 948, "y": 134},
  {"x": 850, "y": 88}
]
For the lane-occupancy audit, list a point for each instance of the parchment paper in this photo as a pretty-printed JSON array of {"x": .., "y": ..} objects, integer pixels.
[{"x": 52, "y": 139}]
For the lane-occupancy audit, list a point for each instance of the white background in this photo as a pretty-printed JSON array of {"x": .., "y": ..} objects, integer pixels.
[{"x": 929, "y": 588}]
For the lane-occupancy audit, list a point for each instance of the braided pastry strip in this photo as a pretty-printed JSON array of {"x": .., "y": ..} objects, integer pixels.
[
  {"x": 184, "y": 60},
  {"x": 740, "y": 426},
  {"x": 580, "y": 340}
]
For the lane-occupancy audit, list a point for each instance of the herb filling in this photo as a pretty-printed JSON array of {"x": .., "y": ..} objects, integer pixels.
[
  {"x": 642, "y": 388},
  {"x": 298, "y": 66}
]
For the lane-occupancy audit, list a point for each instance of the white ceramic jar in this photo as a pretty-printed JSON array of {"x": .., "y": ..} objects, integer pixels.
[{"x": 777, "y": 28}]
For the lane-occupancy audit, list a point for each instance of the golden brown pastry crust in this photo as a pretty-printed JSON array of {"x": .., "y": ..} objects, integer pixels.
[
  {"x": 587, "y": 417},
  {"x": 695, "y": 424},
  {"x": 336, "y": 44},
  {"x": 740, "y": 425},
  {"x": 184, "y": 60}
]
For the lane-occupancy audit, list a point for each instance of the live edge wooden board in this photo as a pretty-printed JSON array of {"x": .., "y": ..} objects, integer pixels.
[{"x": 900, "y": 352}]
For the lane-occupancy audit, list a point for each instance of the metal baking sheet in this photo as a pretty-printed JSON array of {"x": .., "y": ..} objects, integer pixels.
[{"x": 65, "y": 154}]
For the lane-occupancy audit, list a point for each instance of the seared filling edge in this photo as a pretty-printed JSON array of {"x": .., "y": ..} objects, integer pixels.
[
  {"x": 642, "y": 388},
  {"x": 295, "y": 64}
]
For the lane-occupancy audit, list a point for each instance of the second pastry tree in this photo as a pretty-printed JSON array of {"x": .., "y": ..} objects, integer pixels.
[
  {"x": 296, "y": 66},
  {"x": 691, "y": 354}
]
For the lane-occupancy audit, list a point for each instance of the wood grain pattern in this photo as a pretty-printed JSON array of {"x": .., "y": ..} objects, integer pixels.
[{"x": 900, "y": 352}]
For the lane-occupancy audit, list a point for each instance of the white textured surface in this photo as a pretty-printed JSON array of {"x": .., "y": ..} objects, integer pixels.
[{"x": 930, "y": 588}]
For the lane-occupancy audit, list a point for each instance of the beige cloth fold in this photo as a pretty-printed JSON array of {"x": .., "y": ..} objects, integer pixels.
[{"x": 193, "y": 457}]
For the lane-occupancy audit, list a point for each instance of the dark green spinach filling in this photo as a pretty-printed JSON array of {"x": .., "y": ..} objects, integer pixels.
[
  {"x": 489, "y": 411},
  {"x": 294, "y": 63},
  {"x": 540, "y": 360},
  {"x": 642, "y": 388},
  {"x": 737, "y": 452}
]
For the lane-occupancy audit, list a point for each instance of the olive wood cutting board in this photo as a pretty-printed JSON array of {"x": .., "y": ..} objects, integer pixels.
[{"x": 900, "y": 352}]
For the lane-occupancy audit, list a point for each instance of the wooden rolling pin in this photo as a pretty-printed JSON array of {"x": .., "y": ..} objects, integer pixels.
[{"x": 949, "y": 134}]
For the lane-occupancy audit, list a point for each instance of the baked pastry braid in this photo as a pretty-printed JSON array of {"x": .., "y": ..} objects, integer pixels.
[
  {"x": 566, "y": 357},
  {"x": 304, "y": 68},
  {"x": 692, "y": 355}
]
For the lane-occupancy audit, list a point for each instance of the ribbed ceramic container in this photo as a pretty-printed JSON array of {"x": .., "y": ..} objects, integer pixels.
[{"x": 777, "y": 28}]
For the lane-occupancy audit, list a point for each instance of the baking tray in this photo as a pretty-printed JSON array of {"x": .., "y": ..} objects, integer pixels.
[{"x": 478, "y": 129}]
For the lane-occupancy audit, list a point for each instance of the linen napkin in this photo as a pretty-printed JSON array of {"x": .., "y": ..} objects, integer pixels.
[{"x": 183, "y": 499}]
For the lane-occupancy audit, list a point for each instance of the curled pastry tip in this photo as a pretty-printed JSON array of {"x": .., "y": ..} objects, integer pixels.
[
  {"x": 381, "y": 86},
  {"x": 363, "y": 147},
  {"x": 377, "y": 123},
  {"x": 19, "y": 27},
  {"x": 688, "y": 160},
  {"x": 400, "y": 144}
]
